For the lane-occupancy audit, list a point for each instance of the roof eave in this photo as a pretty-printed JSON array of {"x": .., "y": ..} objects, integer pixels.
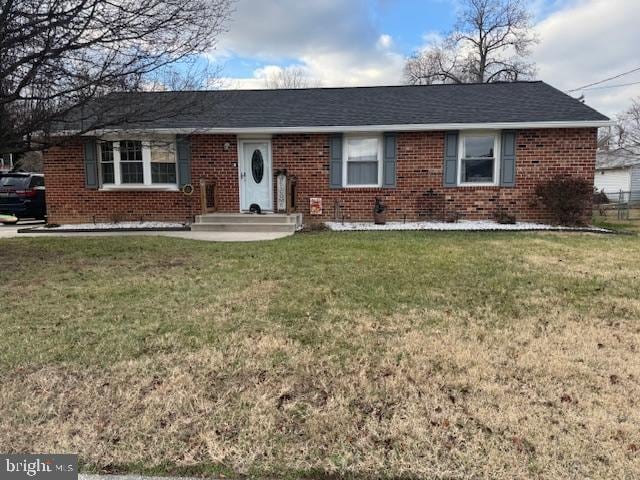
[{"x": 354, "y": 128}]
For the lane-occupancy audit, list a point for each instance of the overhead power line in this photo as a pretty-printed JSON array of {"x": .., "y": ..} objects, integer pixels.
[
  {"x": 605, "y": 80},
  {"x": 612, "y": 86}
]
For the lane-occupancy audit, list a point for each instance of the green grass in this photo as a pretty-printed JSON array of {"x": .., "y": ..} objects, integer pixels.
[
  {"x": 97, "y": 301},
  {"x": 612, "y": 222},
  {"x": 324, "y": 354}
]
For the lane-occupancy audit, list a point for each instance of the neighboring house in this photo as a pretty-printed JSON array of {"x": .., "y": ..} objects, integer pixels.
[
  {"x": 6, "y": 162},
  {"x": 618, "y": 171},
  {"x": 435, "y": 151}
]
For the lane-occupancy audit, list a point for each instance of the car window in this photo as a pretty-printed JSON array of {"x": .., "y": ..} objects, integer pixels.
[
  {"x": 37, "y": 182},
  {"x": 14, "y": 182}
]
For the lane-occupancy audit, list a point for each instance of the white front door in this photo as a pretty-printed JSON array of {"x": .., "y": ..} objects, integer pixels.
[{"x": 255, "y": 175}]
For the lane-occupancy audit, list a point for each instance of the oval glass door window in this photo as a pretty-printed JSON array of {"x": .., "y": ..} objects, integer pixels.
[{"x": 257, "y": 166}]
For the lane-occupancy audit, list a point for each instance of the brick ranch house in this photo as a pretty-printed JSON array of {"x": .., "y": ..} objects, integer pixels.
[{"x": 429, "y": 151}]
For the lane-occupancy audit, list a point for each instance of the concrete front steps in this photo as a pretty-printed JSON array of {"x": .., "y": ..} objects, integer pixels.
[{"x": 247, "y": 222}]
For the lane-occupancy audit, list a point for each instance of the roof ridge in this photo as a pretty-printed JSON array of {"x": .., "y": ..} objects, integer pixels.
[{"x": 336, "y": 88}]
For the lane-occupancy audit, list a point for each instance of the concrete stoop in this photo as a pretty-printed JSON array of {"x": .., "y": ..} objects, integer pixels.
[{"x": 247, "y": 222}]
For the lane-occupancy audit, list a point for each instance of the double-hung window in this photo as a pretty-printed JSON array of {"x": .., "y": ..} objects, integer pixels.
[
  {"x": 106, "y": 163},
  {"x": 163, "y": 162},
  {"x": 478, "y": 160},
  {"x": 131, "y": 164},
  {"x": 138, "y": 163},
  {"x": 362, "y": 161}
]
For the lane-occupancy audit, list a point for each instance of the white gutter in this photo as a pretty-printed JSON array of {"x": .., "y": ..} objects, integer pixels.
[{"x": 413, "y": 127}]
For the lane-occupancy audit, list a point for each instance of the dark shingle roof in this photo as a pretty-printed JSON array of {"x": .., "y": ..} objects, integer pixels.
[{"x": 320, "y": 107}]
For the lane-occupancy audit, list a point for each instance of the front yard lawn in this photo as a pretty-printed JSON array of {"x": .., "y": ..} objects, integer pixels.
[
  {"x": 395, "y": 355},
  {"x": 611, "y": 221}
]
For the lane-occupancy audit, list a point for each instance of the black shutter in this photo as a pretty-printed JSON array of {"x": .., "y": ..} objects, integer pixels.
[
  {"x": 335, "y": 161},
  {"x": 183, "y": 148},
  {"x": 389, "y": 159},
  {"x": 450, "y": 176},
  {"x": 508, "y": 159},
  {"x": 91, "y": 164}
]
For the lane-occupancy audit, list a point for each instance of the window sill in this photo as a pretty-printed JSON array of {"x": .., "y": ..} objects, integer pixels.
[
  {"x": 479, "y": 184},
  {"x": 139, "y": 188},
  {"x": 362, "y": 186}
]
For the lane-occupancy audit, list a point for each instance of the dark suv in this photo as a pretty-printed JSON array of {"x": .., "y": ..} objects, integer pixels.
[{"x": 22, "y": 195}]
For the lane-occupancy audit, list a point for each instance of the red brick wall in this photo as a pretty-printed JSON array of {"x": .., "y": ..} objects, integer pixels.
[
  {"x": 210, "y": 160},
  {"x": 69, "y": 201},
  {"x": 541, "y": 154}
]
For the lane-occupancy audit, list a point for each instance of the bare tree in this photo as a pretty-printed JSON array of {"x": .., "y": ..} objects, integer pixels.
[
  {"x": 489, "y": 43},
  {"x": 611, "y": 138},
  {"x": 625, "y": 132},
  {"x": 29, "y": 162},
  {"x": 290, "y": 77},
  {"x": 59, "y": 57},
  {"x": 628, "y": 127}
]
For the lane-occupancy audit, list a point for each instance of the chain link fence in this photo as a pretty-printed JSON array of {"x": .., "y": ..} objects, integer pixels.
[{"x": 621, "y": 205}]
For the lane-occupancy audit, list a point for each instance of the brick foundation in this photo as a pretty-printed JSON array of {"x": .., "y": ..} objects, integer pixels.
[{"x": 541, "y": 155}]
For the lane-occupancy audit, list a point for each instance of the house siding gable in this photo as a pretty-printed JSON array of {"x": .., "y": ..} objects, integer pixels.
[{"x": 635, "y": 183}]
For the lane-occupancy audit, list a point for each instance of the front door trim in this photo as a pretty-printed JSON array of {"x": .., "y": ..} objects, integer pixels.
[{"x": 268, "y": 171}]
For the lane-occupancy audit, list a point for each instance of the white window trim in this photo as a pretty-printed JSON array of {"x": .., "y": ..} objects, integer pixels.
[
  {"x": 134, "y": 187},
  {"x": 496, "y": 156},
  {"x": 147, "y": 185},
  {"x": 345, "y": 159}
]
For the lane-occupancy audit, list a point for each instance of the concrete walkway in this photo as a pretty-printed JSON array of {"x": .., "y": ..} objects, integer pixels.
[{"x": 11, "y": 231}]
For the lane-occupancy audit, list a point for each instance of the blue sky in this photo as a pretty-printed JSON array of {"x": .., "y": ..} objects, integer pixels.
[
  {"x": 365, "y": 42},
  {"x": 405, "y": 20}
]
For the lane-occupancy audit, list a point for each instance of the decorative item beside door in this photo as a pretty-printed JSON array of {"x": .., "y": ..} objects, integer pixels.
[
  {"x": 292, "y": 186},
  {"x": 285, "y": 191},
  {"x": 379, "y": 212},
  {"x": 207, "y": 196},
  {"x": 281, "y": 190},
  {"x": 315, "y": 206}
]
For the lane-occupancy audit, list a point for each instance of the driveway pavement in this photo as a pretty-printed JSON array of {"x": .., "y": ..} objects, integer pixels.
[
  {"x": 8, "y": 231},
  {"x": 11, "y": 231}
]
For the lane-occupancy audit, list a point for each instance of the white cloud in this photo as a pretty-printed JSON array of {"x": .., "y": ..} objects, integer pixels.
[
  {"x": 431, "y": 38},
  {"x": 338, "y": 43},
  {"x": 584, "y": 41},
  {"x": 345, "y": 69},
  {"x": 588, "y": 41},
  {"x": 384, "y": 41},
  {"x": 334, "y": 41},
  {"x": 261, "y": 75}
]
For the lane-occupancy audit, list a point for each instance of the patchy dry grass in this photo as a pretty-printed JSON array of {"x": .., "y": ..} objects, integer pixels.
[
  {"x": 360, "y": 355},
  {"x": 611, "y": 221}
]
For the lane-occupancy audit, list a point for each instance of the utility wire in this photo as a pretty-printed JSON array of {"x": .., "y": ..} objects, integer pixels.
[
  {"x": 612, "y": 86},
  {"x": 605, "y": 80}
]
